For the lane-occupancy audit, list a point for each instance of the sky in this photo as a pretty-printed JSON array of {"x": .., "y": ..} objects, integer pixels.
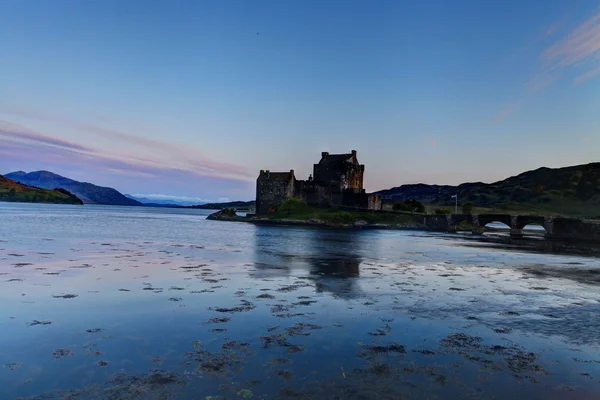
[{"x": 190, "y": 99}]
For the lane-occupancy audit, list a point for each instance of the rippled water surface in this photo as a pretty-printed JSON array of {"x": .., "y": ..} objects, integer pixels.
[{"x": 152, "y": 303}]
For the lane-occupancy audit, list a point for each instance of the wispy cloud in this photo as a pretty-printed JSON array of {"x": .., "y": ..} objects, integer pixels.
[
  {"x": 574, "y": 52},
  {"x": 106, "y": 170},
  {"x": 507, "y": 110},
  {"x": 540, "y": 82},
  {"x": 21, "y": 133},
  {"x": 128, "y": 161},
  {"x": 137, "y": 151},
  {"x": 588, "y": 75}
]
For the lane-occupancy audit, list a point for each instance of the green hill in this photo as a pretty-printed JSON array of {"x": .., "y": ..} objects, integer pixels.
[
  {"x": 16, "y": 192},
  {"x": 87, "y": 192},
  {"x": 570, "y": 191}
]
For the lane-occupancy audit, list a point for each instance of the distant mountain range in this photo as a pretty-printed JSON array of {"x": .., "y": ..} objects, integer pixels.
[
  {"x": 573, "y": 191},
  {"x": 163, "y": 202},
  {"x": 230, "y": 204},
  {"x": 87, "y": 192},
  {"x": 16, "y": 192}
]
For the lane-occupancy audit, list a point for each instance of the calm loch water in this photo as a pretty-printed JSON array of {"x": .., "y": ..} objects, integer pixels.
[{"x": 149, "y": 303}]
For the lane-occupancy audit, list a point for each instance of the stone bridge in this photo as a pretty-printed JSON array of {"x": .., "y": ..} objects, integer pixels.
[{"x": 555, "y": 227}]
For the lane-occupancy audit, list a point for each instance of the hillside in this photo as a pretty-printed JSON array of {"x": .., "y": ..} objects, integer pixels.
[
  {"x": 16, "y": 192},
  {"x": 87, "y": 192},
  {"x": 423, "y": 192},
  {"x": 572, "y": 191}
]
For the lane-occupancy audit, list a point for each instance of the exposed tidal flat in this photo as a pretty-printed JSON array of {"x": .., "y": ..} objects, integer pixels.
[{"x": 142, "y": 303}]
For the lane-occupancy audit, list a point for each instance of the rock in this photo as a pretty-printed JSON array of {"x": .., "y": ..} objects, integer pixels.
[
  {"x": 223, "y": 215},
  {"x": 360, "y": 224}
]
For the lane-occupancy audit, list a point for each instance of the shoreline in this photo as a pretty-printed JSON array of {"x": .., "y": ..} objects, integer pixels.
[
  {"x": 229, "y": 215},
  {"x": 359, "y": 224},
  {"x": 323, "y": 224}
]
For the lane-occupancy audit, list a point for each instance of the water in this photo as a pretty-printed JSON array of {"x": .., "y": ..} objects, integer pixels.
[{"x": 155, "y": 303}]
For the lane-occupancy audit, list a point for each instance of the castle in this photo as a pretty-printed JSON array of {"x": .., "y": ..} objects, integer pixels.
[{"x": 337, "y": 180}]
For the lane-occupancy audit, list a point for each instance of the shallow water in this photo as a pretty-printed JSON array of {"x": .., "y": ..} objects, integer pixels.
[{"x": 154, "y": 303}]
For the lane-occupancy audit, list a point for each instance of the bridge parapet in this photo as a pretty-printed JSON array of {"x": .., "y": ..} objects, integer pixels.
[
  {"x": 555, "y": 227},
  {"x": 572, "y": 228}
]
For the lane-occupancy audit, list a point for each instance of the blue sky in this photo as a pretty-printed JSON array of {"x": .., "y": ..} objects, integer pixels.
[{"x": 193, "y": 98}]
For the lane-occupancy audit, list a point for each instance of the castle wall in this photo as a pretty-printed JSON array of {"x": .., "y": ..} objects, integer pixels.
[
  {"x": 345, "y": 176},
  {"x": 326, "y": 175},
  {"x": 271, "y": 193},
  {"x": 374, "y": 202},
  {"x": 357, "y": 198},
  {"x": 313, "y": 193}
]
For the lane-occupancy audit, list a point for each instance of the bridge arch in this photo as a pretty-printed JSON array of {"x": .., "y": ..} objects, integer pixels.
[
  {"x": 522, "y": 221},
  {"x": 481, "y": 220},
  {"x": 484, "y": 219},
  {"x": 504, "y": 225},
  {"x": 455, "y": 219}
]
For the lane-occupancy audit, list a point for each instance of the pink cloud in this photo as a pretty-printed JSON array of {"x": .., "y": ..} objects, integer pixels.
[
  {"x": 579, "y": 44},
  {"x": 507, "y": 111},
  {"x": 19, "y": 132},
  {"x": 588, "y": 75},
  {"x": 18, "y": 142},
  {"x": 121, "y": 174},
  {"x": 540, "y": 82},
  {"x": 586, "y": 139},
  {"x": 579, "y": 48},
  {"x": 139, "y": 150}
]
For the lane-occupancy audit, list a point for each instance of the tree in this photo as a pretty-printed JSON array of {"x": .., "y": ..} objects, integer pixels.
[
  {"x": 409, "y": 205},
  {"x": 291, "y": 206},
  {"x": 467, "y": 208},
  {"x": 399, "y": 206},
  {"x": 415, "y": 206}
]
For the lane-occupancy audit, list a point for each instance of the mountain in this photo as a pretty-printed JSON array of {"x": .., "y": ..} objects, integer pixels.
[
  {"x": 572, "y": 191},
  {"x": 13, "y": 191},
  {"x": 87, "y": 192},
  {"x": 231, "y": 204},
  {"x": 162, "y": 202}
]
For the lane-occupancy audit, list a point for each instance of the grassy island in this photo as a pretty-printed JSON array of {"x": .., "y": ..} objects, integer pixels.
[{"x": 297, "y": 211}]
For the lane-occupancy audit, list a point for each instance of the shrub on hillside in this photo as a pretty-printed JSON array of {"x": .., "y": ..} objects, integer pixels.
[
  {"x": 409, "y": 205},
  {"x": 340, "y": 217},
  {"x": 291, "y": 206},
  {"x": 468, "y": 207}
]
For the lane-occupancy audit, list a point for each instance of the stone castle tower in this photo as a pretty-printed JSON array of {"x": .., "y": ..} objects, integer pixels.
[{"x": 337, "y": 179}]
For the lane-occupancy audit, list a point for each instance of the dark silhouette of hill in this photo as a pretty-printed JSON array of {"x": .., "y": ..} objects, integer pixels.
[
  {"x": 87, "y": 192},
  {"x": 573, "y": 191}
]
